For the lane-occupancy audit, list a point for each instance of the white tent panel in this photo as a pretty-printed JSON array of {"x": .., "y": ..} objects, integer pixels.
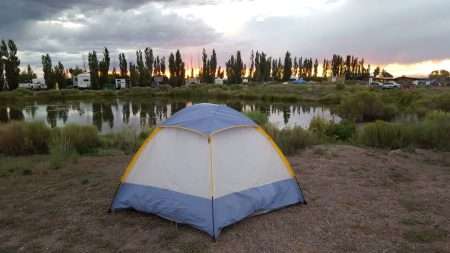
[
  {"x": 176, "y": 160},
  {"x": 243, "y": 158}
]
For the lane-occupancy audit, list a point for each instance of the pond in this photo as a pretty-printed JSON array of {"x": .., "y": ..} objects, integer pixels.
[{"x": 112, "y": 115}]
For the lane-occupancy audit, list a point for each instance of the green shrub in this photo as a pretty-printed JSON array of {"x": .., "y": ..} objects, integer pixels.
[
  {"x": 442, "y": 102},
  {"x": 434, "y": 131},
  {"x": 366, "y": 106},
  {"x": 126, "y": 140},
  {"x": 381, "y": 134},
  {"x": 342, "y": 131},
  {"x": 340, "y": 86},
  {"x": 60, "y": 153},
  {"x": 291, "y": 139},
  {"x": 320, "y": 126},
  {"x": 82, "y": 139},
  {"x": 258, "y": 117},
  {"x": 22, "y": 138}
]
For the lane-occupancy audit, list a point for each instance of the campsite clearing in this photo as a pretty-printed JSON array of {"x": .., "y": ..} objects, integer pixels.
[{"x": 359, "y": 200}]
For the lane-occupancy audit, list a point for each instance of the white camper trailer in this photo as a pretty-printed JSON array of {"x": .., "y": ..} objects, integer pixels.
[
  {"x": 218, "y": 81},
  {"x": 121, "y": 83},
  {"x": 38, "y": 83},
  {"x": 84, "y": 81}
]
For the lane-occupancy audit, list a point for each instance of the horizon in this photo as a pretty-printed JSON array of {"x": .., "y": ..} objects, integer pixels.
[{"x": 382, "y": 32}]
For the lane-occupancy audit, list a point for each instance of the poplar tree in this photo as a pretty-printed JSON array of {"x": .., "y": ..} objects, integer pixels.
[
  {"x": 104, "y": 68},
  {"x": 149, "y": 59},
  {"x": 47, "y": 69},
  {"x": 123, "y": 65},
  {"x": 287, "y": 70},
  {"x": 12, "y": 70},
  {"x": 94, "y": 69}
]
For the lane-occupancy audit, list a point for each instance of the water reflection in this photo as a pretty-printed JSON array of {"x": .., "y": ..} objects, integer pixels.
[{"x": 113, "y": 115}]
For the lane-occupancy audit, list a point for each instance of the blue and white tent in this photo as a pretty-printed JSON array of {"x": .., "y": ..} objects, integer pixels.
[{"x": 208, "y": 166}]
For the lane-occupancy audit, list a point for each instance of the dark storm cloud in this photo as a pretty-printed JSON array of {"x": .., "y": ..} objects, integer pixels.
[{"x": 68, "y": 28}]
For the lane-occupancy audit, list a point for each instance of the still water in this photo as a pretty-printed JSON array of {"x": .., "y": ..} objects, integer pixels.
[{"x": 115, "y": 114}]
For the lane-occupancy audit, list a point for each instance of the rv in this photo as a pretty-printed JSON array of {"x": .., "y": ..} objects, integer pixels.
[
  {"x": 218, "y": 81},
  {"x": 84, "y": 81},
  {"x": 38, "y": 84},
  {"x": 121, "y": 83},
  {"x": 25, "y": 85}
]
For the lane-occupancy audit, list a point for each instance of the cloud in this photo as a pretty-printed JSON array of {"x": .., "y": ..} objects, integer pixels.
[
  {"x": 382, "y": 31},
  {"x": 71, "y": 31}
]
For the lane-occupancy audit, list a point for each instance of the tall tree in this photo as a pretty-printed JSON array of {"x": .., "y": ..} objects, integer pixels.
[
  {"x": 177, "y": 69},
  {"x": 3, "y": 60},
  {"x": 287, "y": 70},
  {"x": 234, "y": 69},
  {"x": 60, "y": 75},
  {"x": 212, "y": 67},
  {"x": 47, "y": 69},
  {"x": 123, "y": 65},
  {"x": 12, "y": 70},
  {"x": 149, "y": 59},
  {"x": 134, "y": 77},
  {"x": 376, "y": 72},
  {"x": 94, "y": 69},
  {"x": 104, "y": 68},
  {"x": 204, "y": 72},
  {"x": 141, "y": 69},
  {"x": 252, "y": 65},
  {"x": 162, "y": 65},
  {"x": 316, "y": 67}
]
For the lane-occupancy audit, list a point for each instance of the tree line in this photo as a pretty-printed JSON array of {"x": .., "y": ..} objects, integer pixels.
[{"x": 149, "y": 69}]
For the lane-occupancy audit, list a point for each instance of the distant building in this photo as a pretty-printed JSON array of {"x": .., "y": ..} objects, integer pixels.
[
  {"x": 84, "y": 81},
  {"x": 121, "y": 83},
  {"x": 218, "y": 81}
]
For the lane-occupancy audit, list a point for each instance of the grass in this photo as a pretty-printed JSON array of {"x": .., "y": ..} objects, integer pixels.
[
  {"x": 258, "y": 117},
  {"x": 431, "y": 133},
  {"x": 18, "y": 138},
  {"x": 426, "y": 236}
]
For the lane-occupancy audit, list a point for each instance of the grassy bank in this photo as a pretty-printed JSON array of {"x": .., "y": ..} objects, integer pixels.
[{"x": 26, "y": 138}]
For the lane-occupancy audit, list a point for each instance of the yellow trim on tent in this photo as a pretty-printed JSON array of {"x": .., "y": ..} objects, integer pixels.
[
  {"x": 136, "y": 156},
  {"x": 280, "y": 153}
]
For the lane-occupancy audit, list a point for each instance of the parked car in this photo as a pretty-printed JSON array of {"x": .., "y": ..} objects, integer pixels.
[
  {"x": 391, "y": 85},
  {"x": 376, "y": 85}
]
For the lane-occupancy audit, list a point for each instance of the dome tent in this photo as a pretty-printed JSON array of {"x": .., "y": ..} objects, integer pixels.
[{"x": 208, "y": 166}]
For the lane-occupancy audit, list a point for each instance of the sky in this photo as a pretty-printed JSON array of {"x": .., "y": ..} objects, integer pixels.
[{"x": 407, "y": 37}]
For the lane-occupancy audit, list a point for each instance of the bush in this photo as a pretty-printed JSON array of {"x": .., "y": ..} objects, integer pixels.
[
  {"x": 366, "y": 106},
  {"x": 442, "y": 102},
  {"x": 381, "y": 134},
  {"x": 340, "y": 86},
  {"x": 434, "y": 131},
  {"x": 258, "y": 117},
  {"x": 320, "y": 127},
  {"x": 23, "y": 138},
  {"x": 342, "y": 131},
  {"x": 126, "y": 140},
  {"x": 82, "y": 139},
  {"x": 291, "y": 139}
]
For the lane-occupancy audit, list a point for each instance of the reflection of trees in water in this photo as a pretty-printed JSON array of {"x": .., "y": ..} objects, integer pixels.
[
  {"x": 134, "y": 108},
  {"x": 3, "y": 114},
  {"x": 97, "y": 115},
  {"x": 107, "y": 114},
  {"x": 51, "y": 115},
  {"x": 55, "y": 112},
  {"x": 126, "y": 112},
  {"x": 31, "y": 110}
]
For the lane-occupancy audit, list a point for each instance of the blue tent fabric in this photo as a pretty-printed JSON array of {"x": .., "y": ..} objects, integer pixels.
[
  {"x": 201, "y": 213},
  {"x": 208, "y": 118},
  {"x": 299, "y": 81}
]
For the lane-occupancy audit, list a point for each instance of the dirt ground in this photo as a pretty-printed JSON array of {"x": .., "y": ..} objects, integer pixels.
[{"x": 359, "y": 200}]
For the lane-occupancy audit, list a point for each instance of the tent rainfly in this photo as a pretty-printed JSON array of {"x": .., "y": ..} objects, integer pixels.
[{"x": 208, "y": 166}]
